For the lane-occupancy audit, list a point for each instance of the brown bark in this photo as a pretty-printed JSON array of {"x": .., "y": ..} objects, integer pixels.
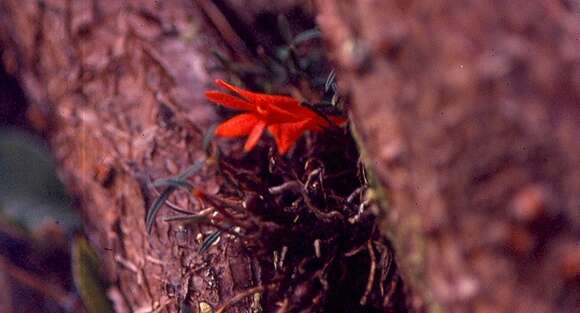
[
  {"x": 469, "y": 112},
  {"x": 122, "y": 85}
]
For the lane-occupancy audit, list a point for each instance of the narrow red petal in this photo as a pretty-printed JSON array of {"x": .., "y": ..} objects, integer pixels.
[
  {"x": 286, "y": 134},
  {"x": 277, "y": 104},
  {"x": 276, "y": 132},
  {"x": 239, "y": 125},
  {"x": 248, "y": 95},
  {"x": 280, "y": 101},
  {"x": 229, "y": 101},
  {"x": 256, "y": 96},
  {"x": 254, "y": 136},
  {"x": 294, "y": 110}
]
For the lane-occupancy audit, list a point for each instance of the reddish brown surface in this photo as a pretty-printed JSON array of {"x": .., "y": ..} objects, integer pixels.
[
  {"x": 470, "y": 112},
  {"x": 125, "y": 87},
  {"x": 122, "y": 88}
]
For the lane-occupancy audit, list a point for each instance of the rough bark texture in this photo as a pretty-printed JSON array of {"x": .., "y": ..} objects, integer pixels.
[
  {"x": 123, "y": 84},
  {"x": 470, "y": 115}
]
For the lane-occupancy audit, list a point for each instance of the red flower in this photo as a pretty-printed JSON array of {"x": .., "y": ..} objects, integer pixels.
[{"x": 284, "y": 117}]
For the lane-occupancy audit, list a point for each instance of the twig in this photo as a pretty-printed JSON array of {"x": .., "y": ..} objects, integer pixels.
[
  {"x": 236, "y": 220},
  {"x": 323, "y": 272},
  {"x": 354, "y": 251},
  {"x": 232, "y": 204},
  {"x": 385, "y": 263},
  {"x": 317, "y": 248},
  {"x": 289, "y": 185},
  {"x": 392, "y": 289},
  {"x": 355, "y": 193},
  {"x": 283, "y": 255},
  {"x": 372, "y": 270},
  {"x": 361, "y": 209},
  {"x": 324, "y": 216},
  {"x": 237, "y": 298}
]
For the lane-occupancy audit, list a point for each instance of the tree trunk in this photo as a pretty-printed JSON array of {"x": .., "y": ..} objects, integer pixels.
[
  {"x": 122, "y": 86},
  {"x": 470, "y": 116}
]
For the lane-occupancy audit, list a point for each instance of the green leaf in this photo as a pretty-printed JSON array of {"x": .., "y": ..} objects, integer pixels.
[
  {"x": 209, "y": 240},
  {"x": 87, "y": 277},
  {"x": 196, "y": 167},
  {"x": 172, "y": 182},
  {"x": 156, "y": 206},
  {"x": 175, "y": 183}
]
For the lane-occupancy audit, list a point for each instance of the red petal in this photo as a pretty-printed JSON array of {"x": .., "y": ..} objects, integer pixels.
[
  {"x": 293, "y": 112},
  {"x": 286, "y": 134},
  {"x": 281, "y": 102},
  {"x": 229, "y": 101},
  {"x": 255, "y": 96},
  {"x": 238, "y": 125},
  {"x": 254, "y": 136},
  {"x": 248, "y": 95},
  {"x": 276, "y": 132},
  {"x": 283, "y": 107}
]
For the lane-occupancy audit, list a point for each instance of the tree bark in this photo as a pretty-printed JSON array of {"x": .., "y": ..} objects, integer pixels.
[
  {"x": 469, "y": 114},
  {"x": 122, "y": 86}
]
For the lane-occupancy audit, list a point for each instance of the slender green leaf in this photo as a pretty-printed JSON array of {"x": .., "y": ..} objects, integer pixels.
[
  {"x": 196, "y": 167},
  {"x": 156, "y": 206},
  {"x": 173, "y": 184},
  {"x": 210, "y": 240}
]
